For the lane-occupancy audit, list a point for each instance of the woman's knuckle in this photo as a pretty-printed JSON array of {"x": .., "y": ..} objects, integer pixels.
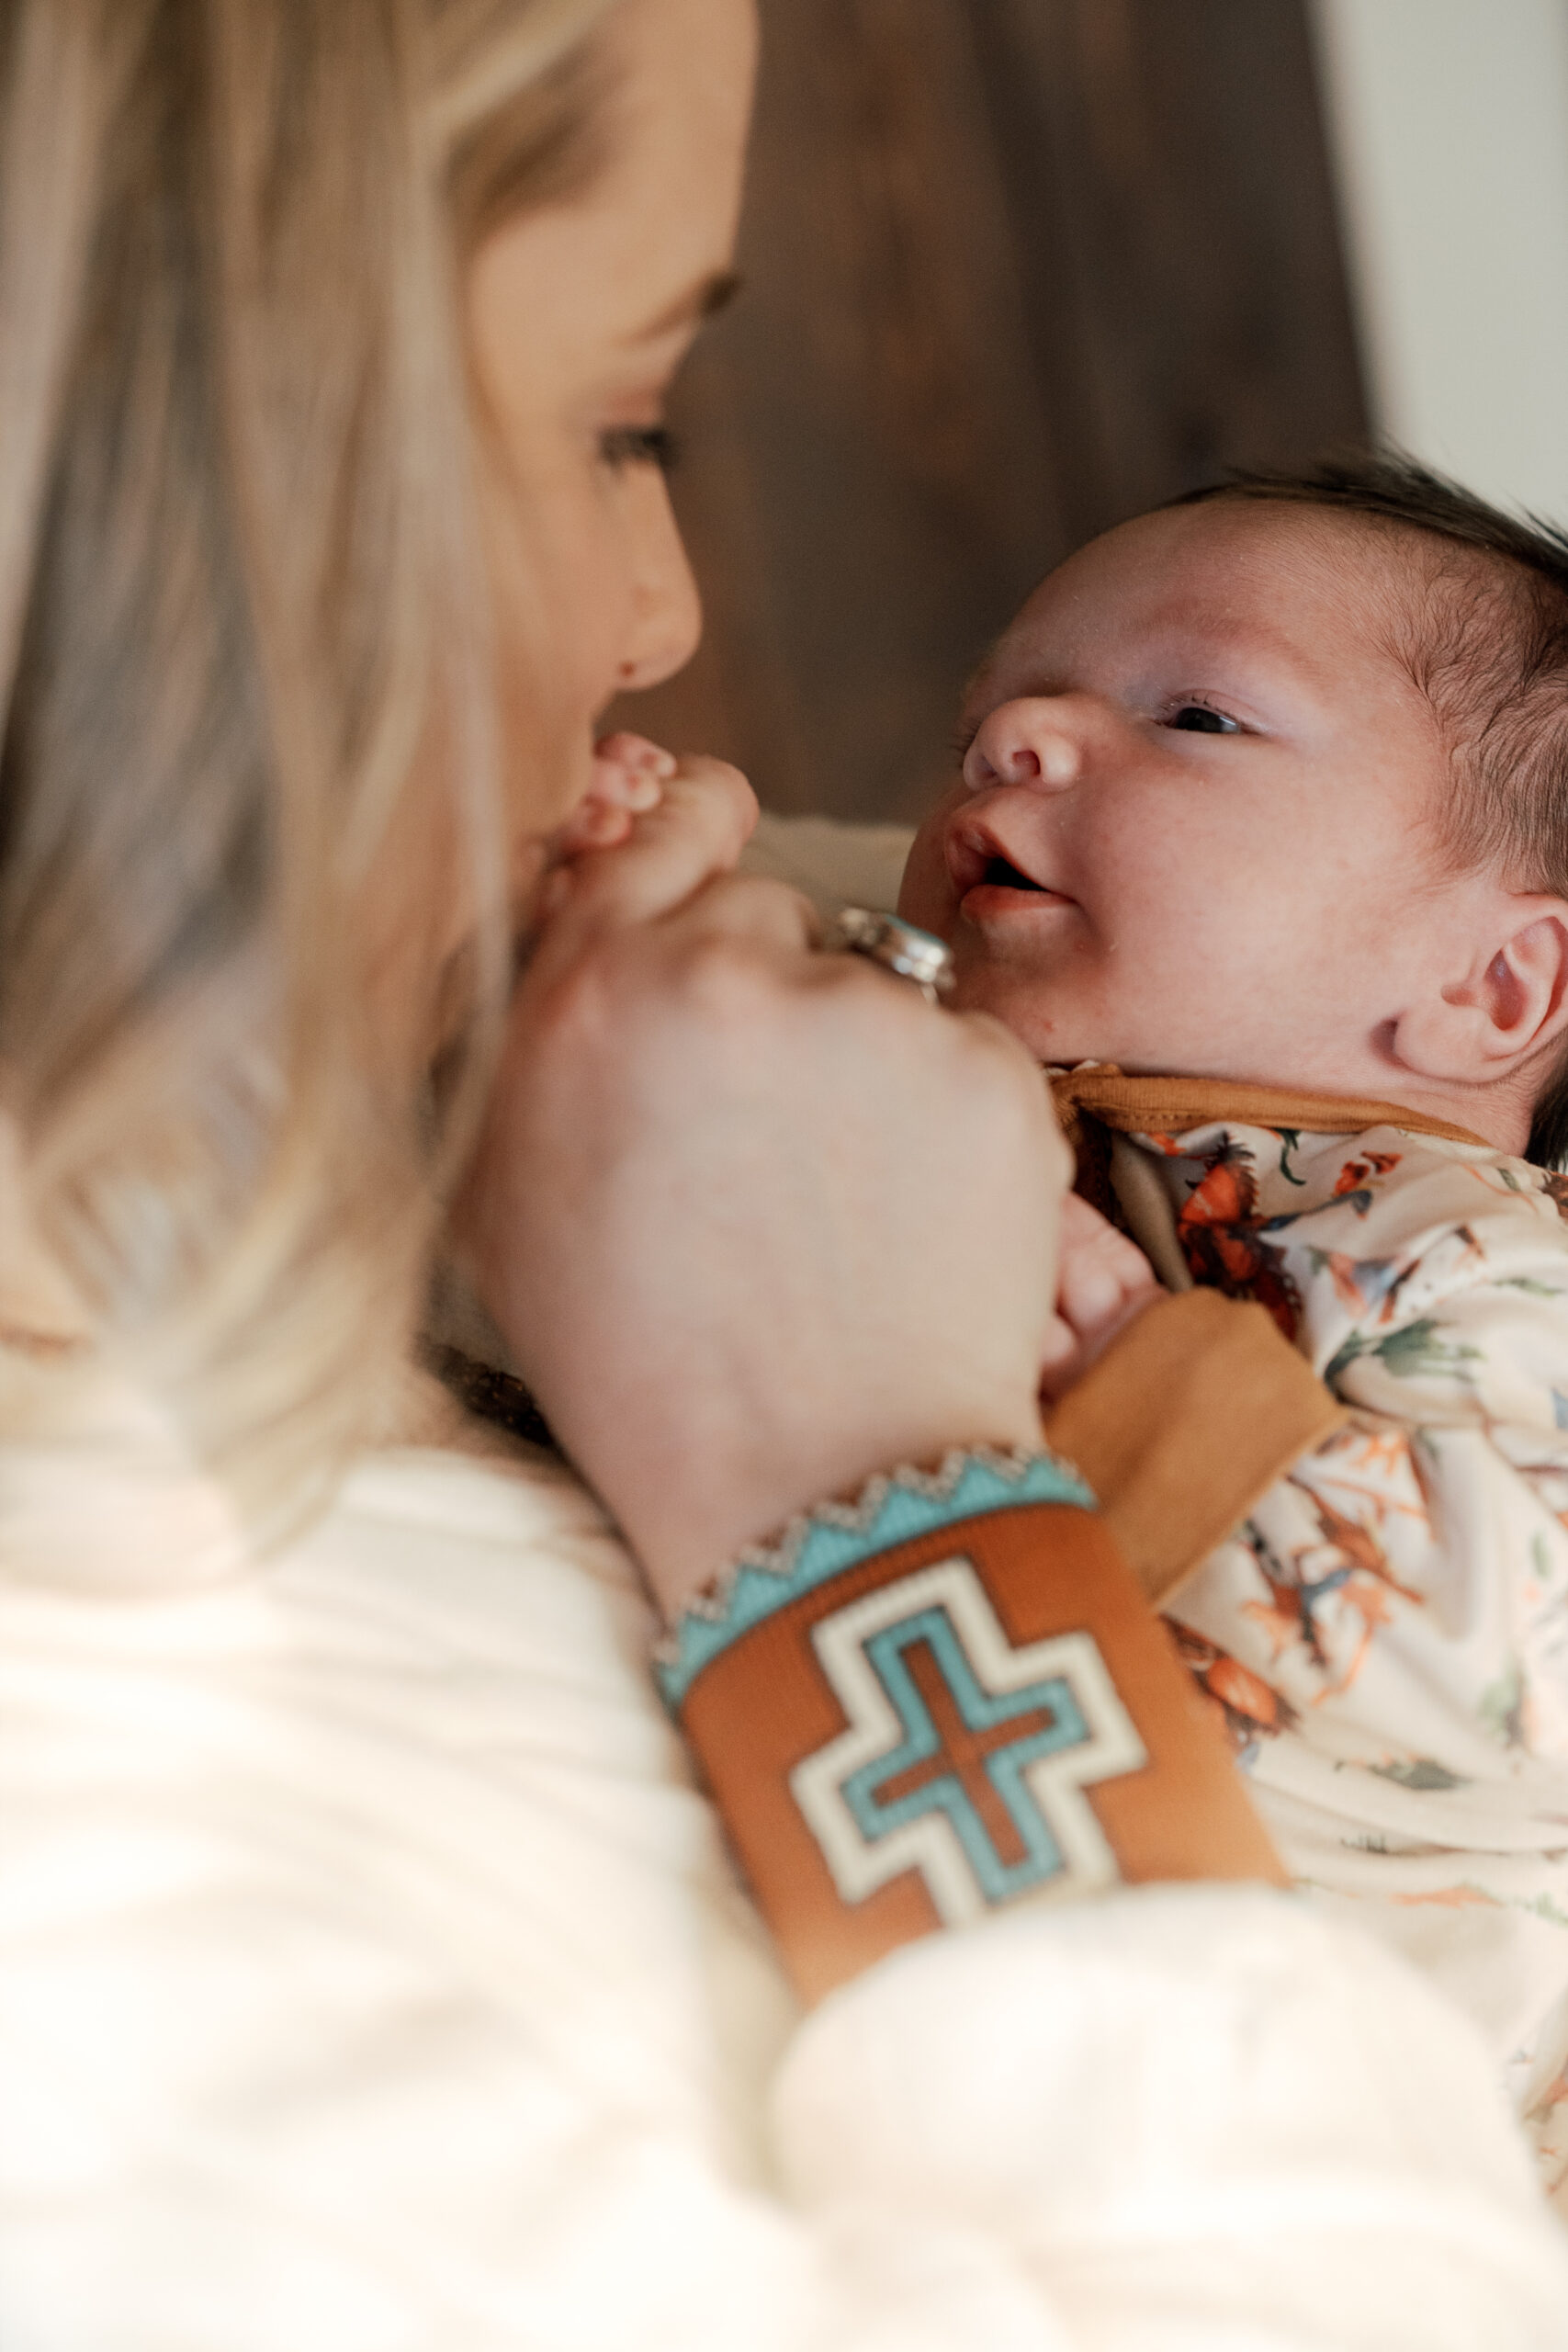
[
  {"x": 757, "y": 901},
  {"x": 720, "y": 973},
  {"x": 717, "y": 781},
  {"x": 723, "y": 772}
]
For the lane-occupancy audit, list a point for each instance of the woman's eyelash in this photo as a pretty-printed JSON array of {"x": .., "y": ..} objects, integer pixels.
[{"x": 641, "y": 444}]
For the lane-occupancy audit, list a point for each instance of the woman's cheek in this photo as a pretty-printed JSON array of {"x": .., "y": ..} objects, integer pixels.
[
  {"x": 562, "y": 668},
  {"x": 591, "y": 622}
]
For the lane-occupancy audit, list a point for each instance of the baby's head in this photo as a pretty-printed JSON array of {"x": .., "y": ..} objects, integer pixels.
[{"x": 1272, "y": 785}]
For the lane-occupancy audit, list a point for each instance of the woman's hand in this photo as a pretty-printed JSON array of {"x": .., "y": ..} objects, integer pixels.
[{"x": 755, "y": 1222}]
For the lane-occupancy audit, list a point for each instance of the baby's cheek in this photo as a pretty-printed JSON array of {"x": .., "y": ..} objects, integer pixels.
[{"x": 925, "y": 895}]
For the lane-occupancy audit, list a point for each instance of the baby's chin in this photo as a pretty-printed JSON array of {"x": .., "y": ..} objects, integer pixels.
[{"x": 1059, "y": 1033}]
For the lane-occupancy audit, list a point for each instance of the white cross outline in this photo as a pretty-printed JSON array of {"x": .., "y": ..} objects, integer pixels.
[{"x": 929, "y": 1844}]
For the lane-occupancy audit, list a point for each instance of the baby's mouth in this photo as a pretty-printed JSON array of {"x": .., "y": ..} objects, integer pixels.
[
  {"x": 1001, "y": 873},
  {"x": 980, "y": 867}
]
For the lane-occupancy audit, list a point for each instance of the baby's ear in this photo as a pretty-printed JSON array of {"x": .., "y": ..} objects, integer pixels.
[{"x": 1513, "y": 1001}]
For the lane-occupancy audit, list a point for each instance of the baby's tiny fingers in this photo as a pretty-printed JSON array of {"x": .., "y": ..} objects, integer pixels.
[
  {"x": 631, "y": 751},
  {"x": 1100, "y": 1275},
  {"x": 1092, "y": 1288},
  {"x": 695, "y": 833},
  {"x": 630, "y": 772},
  {"x": 597, "y": 822}
]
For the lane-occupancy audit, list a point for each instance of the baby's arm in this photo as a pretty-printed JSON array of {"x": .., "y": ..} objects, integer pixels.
[{"x": 1105, "y": 1281}]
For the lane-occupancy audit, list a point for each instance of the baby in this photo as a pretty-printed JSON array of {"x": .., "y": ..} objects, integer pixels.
[
  {"x": 1263, "y": 818},
  {"x": 1261, "y": 845}
]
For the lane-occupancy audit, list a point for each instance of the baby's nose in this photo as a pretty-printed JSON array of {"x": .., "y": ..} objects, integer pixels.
[{"x": 1022, "y": 742}]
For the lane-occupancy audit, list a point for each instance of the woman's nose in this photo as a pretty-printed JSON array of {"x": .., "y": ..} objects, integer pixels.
[
  {"x": 1028, "y": 742},
  {"x": 667, "y": 611}
]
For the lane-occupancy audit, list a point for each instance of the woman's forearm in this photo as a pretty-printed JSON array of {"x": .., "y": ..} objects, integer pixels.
[{"x": 949, "y": 1700}]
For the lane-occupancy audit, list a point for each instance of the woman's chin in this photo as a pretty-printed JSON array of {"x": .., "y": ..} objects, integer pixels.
[{"x": 532, "y": 862}]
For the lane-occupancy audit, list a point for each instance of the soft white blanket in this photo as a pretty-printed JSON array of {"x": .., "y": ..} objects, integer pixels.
[
  {"x": 834, "y": 864},
  {"x": 372, "y": 1979}
]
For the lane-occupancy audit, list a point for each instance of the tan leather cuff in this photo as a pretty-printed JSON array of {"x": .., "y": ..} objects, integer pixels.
[
  {"x": 1190, "y": 1413},
  {"x": 987, "y": 1713}
]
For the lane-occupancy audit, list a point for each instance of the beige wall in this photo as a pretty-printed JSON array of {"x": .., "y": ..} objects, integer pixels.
[{"x": 1449, "y": 124}]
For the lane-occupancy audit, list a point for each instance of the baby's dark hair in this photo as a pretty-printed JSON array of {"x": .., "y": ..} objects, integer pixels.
[{"x": 1487, "y": 645}]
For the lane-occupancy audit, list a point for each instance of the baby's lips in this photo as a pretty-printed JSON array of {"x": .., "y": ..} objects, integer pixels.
[
  {"x": 965, "y": 858},
  {"x": 974, "y": 839}
]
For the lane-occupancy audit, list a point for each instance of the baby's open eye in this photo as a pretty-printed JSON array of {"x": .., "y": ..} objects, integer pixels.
[{"x": 1198, "y": 718}]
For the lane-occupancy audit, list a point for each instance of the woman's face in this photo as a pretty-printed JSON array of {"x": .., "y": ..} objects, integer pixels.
[{"x": 580, "y": 316}]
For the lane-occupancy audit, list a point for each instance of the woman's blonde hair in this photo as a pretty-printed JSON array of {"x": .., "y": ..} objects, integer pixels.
[{"x": 238, "y": 595}]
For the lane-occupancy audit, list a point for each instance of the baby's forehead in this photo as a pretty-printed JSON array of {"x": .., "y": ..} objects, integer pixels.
[{"x": 1343, "y": 593}]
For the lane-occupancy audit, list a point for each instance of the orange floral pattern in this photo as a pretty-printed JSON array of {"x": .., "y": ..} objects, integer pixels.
[{"x": 1386, "y": 1637}]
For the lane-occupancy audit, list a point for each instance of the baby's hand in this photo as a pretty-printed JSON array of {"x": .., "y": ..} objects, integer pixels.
[
  {"x": 629, "y": 776},
  {"x": 1103, "y": 1281}
]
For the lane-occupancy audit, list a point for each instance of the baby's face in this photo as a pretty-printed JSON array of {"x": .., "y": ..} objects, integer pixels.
[{"x": 1196, "y": 829}]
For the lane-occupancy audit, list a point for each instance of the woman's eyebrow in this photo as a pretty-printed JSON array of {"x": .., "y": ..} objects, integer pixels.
[{"x": 704, "y": 301}]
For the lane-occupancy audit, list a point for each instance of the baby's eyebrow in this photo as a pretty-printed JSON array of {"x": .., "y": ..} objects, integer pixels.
[
  {"x": 980, "y": 673},
  {"x": 1170, "y": 639},
  {"x": 1250, "y": 635}
]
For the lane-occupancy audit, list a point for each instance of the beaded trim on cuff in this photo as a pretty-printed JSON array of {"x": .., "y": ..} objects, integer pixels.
[{"x": 893, "y": 1508}]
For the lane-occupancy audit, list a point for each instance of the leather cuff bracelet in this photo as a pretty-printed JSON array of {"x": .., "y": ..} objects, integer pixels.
[{"x": 948, "y": 1697}]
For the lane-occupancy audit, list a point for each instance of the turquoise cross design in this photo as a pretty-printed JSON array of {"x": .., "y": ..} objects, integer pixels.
[
  {"x": 963, "y": 1757},
  {"x": 1039, "y": 1720}
]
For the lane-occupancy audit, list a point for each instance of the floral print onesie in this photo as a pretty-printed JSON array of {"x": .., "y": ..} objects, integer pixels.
[{"x": 1386, "y": 1634}]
